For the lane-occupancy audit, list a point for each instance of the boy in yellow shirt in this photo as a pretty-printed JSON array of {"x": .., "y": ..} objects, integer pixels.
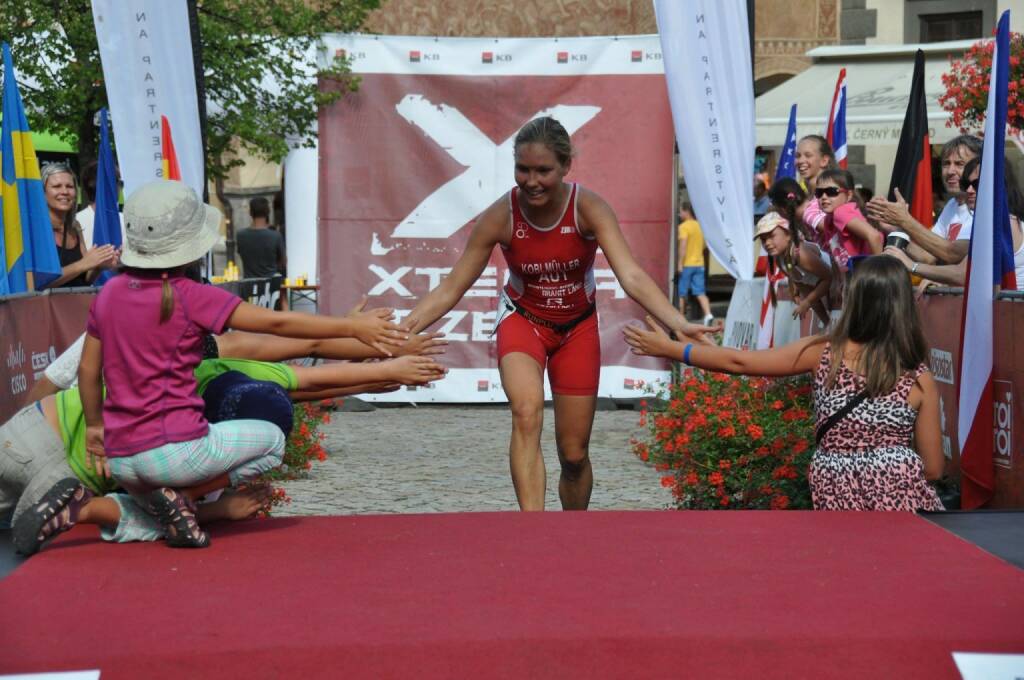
[{"x": 690, "y": 265}]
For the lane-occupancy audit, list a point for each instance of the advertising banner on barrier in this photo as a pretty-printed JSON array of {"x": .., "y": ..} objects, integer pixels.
[
  {"x": 408, "y": 162},
  {"x": 35, "y": 330}
]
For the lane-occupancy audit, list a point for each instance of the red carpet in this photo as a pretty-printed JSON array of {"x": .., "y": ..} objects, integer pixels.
[{"x": 643, "y": 594}]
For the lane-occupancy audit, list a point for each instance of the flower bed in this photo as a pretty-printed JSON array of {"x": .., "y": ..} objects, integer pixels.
[
  {"x": 728, "y": 442},
  {"x": 304, "y": 446}
]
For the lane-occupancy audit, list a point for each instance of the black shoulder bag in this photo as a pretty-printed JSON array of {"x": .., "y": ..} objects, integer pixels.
[{"x": 839, "y": 415}]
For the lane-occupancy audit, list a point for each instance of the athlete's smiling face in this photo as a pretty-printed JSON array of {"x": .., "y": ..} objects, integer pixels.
[{"x": 539, "y": 174}]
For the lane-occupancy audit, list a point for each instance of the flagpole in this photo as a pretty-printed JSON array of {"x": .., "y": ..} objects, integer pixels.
[{"x": 200, "y": 78}]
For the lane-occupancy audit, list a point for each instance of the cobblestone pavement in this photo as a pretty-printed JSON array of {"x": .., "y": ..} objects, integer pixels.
[{"x": 455, "y": 459}]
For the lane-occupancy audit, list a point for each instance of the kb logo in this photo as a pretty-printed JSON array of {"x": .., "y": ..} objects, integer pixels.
[{"x": 1002, "y": 403}]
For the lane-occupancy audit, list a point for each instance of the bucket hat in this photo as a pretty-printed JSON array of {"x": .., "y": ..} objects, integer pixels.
[
  {"x": 166, "y": 225},
  {"x": 767, "y": 224}
]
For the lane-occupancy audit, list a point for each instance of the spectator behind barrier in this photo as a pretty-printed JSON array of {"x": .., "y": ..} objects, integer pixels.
[
  {"x": 949, "y": 238},
  {"x": 956, "y": 274}
]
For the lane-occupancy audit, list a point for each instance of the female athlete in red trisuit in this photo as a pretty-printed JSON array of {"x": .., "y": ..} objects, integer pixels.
[{"x": 549, "y": 231}]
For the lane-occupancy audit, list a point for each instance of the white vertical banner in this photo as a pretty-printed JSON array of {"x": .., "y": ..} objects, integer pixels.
[
  {"x": 706, "y": 49},
  {"x": 301, "y": 180},
  {"x": 146, "y": 50}
]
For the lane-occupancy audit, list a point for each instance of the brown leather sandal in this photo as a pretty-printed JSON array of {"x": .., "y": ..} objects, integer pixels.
[
  {"x": 56, "y": 512},
  {"x": 178, "y": 515}
]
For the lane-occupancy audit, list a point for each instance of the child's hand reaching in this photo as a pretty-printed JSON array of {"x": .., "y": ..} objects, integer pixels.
[
  {"x": 654, "y": 342},
  {"x": 373, "y": 328},
  {"x": 95, "y": 454},
  {"x": 422, "y": 344},
  {"x": 415, "y": 370}
]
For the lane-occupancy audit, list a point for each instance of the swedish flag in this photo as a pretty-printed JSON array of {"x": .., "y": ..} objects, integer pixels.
[{"x": 27, "y": 239}]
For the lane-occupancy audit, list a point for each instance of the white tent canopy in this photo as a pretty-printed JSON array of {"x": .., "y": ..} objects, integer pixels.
[{"x": 878, "y": 87}]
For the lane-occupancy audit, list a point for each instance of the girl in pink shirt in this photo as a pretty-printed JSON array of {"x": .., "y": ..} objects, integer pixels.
[
  {"x": 845, "y": 230},
  {"x": 144, "y": 341}
]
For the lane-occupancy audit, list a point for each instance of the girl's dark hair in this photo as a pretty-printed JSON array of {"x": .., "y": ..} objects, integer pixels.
[
  {"x": 880, "y": 315},
  {"x": 844, "y": 180},
  {"x": 787, "y": 195},
  {"x": 550, "y": 133},
  {"x": 1014, "y": 192}
]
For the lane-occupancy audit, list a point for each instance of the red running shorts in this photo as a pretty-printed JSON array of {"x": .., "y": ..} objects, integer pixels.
[{"x": 573, "y": 359}]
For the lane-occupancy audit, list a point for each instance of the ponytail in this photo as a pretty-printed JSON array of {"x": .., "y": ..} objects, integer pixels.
[{"x": 166, "y": 299}]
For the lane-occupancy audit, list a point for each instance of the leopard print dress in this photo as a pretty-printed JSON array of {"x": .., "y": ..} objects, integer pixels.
[{"x": 865, "y": 462}]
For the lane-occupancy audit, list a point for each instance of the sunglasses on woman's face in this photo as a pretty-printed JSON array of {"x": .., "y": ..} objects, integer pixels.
[
  {"x": 971, "y": 184},
  {"x": 831, "y": 192}
]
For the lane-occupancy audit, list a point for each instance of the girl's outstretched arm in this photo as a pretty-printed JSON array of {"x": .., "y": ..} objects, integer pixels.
[
  {"x": 408, "y": 370},
  {"x": 263, "y": 347},
  {"x": 372, "y": 328},
  {"x": 90, "y": 389},
  {"x": 927, "y": 428},
  {"x": 795, "y": 358}
]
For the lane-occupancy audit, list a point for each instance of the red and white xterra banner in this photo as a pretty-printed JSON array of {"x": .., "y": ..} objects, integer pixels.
[{"x": 408, "y": 162}]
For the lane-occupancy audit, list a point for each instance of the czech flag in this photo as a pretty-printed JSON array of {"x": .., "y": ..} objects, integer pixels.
[
  {"x": 836, "y": 132},
  {"x": 787, "y": 159},
  {"x": 170, "y": 158},
  {"x": 989, "y": 264},
  {"x": 912, "y": 171},
  {"x": 27, "y": 250}
]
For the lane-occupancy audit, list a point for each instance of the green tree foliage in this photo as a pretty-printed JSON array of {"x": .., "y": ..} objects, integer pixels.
[{"x": 245, "y": 44}]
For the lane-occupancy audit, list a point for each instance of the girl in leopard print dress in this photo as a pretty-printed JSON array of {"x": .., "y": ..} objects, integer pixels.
[{"x": 881, "y": 454}]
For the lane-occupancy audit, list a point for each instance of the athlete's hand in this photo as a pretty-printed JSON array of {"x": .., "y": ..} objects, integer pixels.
[
  {"x": 95, "y": 454},
  {"x": 698, "y": 332},
  {"x": 374, "y": 328},
  {"x": 415, "y": 370},
  {"x": 653, "y": 342}
]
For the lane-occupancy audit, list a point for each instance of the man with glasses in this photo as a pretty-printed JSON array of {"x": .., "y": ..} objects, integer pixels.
[{"x": 948, "y": 241}]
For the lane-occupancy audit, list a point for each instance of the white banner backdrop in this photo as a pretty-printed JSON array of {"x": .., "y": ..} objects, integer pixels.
[
  {"x": 707, "y": 66},
  {"x": 146, "y": 50}
]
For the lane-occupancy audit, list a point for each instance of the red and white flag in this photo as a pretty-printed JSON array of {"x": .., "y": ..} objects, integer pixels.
[
  {"x": 836, "y": 131},
  {"x": 989, "y": 265},
  {"x": 766, "y": 327}
]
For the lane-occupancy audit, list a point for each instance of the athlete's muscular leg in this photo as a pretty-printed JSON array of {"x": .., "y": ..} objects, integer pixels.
[
  {"x": 574, "y": 418},
  {"x": 523, "y": 380}
]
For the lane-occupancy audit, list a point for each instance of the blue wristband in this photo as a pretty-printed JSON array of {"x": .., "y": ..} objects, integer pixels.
[{"x": 686, "y": 354}]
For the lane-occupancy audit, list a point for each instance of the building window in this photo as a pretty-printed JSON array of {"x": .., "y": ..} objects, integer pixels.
[{"x": 953, "y": 26}]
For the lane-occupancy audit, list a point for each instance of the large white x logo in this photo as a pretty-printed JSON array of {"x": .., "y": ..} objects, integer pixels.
[{"x": 489, "y": 167}]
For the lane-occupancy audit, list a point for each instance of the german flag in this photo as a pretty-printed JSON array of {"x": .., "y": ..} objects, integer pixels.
[
  {"x": 170, "y": 158},
  {"x": 912, "y": 171}
]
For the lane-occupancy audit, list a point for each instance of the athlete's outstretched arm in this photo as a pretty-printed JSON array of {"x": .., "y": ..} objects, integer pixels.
[
  {"x": 599, "y": 219},
  {"x": 489, "y": 230}
]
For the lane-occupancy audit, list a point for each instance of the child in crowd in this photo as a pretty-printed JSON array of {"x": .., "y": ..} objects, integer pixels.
[
  {"x": 874, "y": 397},
  {"x": 808, "y": 269},
  {"x": 845, "y": 232},
  {"x": 145, "y": 336}
]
